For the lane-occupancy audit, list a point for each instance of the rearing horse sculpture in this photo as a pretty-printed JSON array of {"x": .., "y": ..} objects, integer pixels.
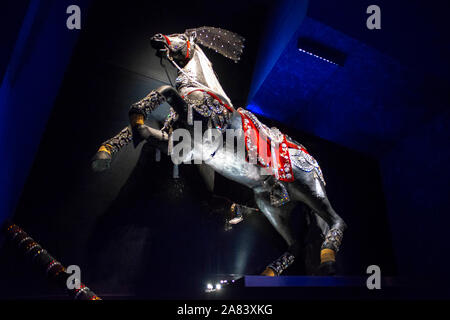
[{"x": 294, "y": 175}]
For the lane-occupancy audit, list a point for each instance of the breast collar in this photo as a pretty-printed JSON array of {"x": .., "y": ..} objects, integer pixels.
[{"x": 213, "y": 95}]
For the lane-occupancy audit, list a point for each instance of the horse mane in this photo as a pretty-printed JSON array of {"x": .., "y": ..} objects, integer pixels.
[
  {"x": 209, "y": 74},
  {"x": 227, "y": 43}
]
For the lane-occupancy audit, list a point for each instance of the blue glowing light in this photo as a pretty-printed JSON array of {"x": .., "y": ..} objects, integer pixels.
[
  {"x": 255, "y": 109},
  {"x": 316, "y": 56}
]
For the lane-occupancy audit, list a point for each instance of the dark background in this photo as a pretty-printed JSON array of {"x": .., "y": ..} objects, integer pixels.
[
  {"x": 136, "y": 232},
  {"x": 130, "y": 229}
]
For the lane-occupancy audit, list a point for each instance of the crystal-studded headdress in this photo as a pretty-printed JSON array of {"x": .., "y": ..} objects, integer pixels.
[{"x": 227, "y": 43}]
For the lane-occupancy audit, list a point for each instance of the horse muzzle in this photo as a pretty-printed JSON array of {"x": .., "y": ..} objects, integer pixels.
[{"x": 158, "y": 42}]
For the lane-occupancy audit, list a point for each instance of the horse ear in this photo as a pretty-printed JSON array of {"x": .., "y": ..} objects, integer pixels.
[{"x": 192, "y": 34}]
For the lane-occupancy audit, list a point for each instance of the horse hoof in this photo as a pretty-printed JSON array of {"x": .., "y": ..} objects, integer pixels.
[
  {"x": 268, "y": 272},
  {"x": 327, "y": 268},
  {"x": 101, "y": 161}
]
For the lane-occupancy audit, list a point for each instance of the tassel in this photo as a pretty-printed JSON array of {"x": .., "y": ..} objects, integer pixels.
[
  {"x": 190, "y": 118},
  {"x": 170, "y": 144},
  {"x": 274, "y": 160},
  {"x": 175, "y": 171},
  {"x": 209, "y": 130}
]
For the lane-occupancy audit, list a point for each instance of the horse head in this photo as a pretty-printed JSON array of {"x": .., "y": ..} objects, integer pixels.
[{"x": 180, "y": 47}]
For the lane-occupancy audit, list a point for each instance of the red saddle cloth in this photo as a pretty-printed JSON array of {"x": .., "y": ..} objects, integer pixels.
[{"x": 269, "y": 145}]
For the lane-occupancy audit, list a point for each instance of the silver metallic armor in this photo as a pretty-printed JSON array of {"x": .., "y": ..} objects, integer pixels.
[
  {"x": 333, "y": 239},
  {"x": 282, "y": 263}
]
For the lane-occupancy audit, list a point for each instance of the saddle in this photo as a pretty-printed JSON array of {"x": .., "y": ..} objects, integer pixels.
[{"x": 272, "y": 150}]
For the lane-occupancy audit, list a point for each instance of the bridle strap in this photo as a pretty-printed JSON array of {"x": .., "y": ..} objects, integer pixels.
[
  {"x": 187, "y": 49},
  {"x": 206, "y": 89},
  {"x": 167, "y": 39},
  {"x": 185, "y": 73}
]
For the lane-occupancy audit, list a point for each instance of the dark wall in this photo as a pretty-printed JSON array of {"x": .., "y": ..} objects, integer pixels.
[
  {"x": 30, "y": 83},
  {"x": 416, "y": 182},
  {"x": 9, "y": 27},
  {"x": 390, "y": 99},
  {"x": 414, "y": 126},
  {"x": 134, "y": 230}
]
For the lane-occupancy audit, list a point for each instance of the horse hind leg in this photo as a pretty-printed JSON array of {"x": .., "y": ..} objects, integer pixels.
[
  {"x": 311, "y": 191},
  {"x": 279, "y": 217}
]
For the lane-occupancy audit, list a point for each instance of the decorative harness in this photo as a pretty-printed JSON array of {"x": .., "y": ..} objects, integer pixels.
[
  {"x": 211, "y": 107},
  {"x": 269, "y": 145},
  {"x": 271, "y": 148}
]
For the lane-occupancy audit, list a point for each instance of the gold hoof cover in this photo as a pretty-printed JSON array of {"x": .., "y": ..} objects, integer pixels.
[{"x": 327, "y": 255}]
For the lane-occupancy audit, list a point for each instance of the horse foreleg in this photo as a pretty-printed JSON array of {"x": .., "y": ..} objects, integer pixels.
[
  {"x": 140, "y": 111},
  {"x": 109, "y": 148},
  {"x": 138, "y": 131}
]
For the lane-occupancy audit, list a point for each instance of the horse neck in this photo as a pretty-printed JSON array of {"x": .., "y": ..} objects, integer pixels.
[{"x": 200, "y": 69}]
